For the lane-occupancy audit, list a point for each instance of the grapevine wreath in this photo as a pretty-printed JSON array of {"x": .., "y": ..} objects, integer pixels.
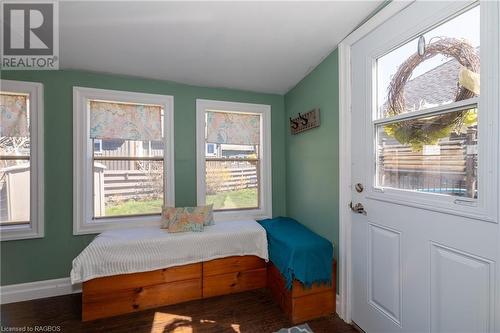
[{"x": 419, "y": 132}]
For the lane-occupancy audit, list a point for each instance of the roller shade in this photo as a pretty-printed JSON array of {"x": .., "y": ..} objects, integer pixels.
[
  {"x": 14, "y": 115},
  {"x": 233, "y": 128},
  {"x": 109, "y": 120}
]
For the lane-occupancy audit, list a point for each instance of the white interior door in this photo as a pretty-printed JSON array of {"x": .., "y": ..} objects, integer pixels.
[{"x": 425, "y": 255}]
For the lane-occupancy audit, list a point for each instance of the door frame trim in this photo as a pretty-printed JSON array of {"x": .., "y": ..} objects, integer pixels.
[{"x": 344, "y": 49}]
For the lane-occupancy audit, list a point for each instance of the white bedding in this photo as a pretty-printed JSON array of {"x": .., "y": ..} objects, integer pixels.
[{"x": 148, "y": 248}]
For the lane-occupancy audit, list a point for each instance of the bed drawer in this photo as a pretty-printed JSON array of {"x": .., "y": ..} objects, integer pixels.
[
  {"x": 236, "y": 282},
  {"x": 301, "y": 304},
  {"x": 312, "y": 306},
  {"x": 135, "y": 280},
  {"x": 106, "y": 304},
  {"x": 232, "y": 264}
]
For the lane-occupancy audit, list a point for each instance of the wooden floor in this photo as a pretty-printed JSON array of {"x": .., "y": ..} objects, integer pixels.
[{"x": 252, "y": 311}]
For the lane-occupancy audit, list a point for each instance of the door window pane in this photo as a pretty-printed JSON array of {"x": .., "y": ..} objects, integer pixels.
[
  {"x": 438, "y": 79},
  {"x": 433, "y": 154}
]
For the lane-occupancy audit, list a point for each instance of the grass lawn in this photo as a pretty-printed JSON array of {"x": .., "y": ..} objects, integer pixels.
[
  {"x": 133, "y": 207},
  {"x": 234, "y": 199},
  {"x": 224, "y": 200}
]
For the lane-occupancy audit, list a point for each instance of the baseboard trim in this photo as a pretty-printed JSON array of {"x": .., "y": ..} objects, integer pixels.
[
  {"x": 337, "y": 304},
  {"x": 39, "y": 289}
]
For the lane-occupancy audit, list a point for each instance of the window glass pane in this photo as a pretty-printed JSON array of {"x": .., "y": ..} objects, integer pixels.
[
  {"x": 434, "y": 154},
  {"x": 15, "y": 172},
  {"x": 232, "y": 160},
  {"x": 232, "y": 151},
  {"x": 14, "y": 191},
  {"x": 232, "y": 184},
  {"x": 14, "y": 146},
  {"x": 432, "y": 79},
  {"x": 125, "y": 187},
  {"x": 210, "y": 149},
  {"x": 128, "y": 158},
  {"x": 127, "y": 148},
  {"x": 14, "y": 115}
]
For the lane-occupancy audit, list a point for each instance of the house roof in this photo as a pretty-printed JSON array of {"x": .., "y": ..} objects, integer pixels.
[{"x": 435, "y": 86}]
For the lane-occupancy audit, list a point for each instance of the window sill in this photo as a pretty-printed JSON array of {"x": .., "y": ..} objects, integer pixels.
[
  {"x": 100, "y": 225},
  {"x": 8, "y": 233},
  {"x": 252, "y": 214}
]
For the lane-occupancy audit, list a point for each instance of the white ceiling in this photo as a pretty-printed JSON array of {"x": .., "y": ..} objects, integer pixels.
[{"x": 256, "y": 46}]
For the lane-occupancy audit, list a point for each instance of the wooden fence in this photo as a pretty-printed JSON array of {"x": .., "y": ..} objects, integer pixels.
[
  {"x": 220, "y": 179},
  {"x": 124, "y": 185},
  {"x": 451, "y": 170},
  {"x": 117, "y": 185}
]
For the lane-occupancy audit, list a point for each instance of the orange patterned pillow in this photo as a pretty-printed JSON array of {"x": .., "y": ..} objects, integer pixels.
[
  {"x": 209, "y": 219},
  {"x": 187, "y": 221},
  {"x": 167, "y": 215}
]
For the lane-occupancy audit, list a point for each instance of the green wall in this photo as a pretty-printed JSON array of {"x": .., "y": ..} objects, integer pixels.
[
  {"x": 305, "y": 166},
  {"x": 50, "y": 257},
  {"x": 312, "y": 157}
]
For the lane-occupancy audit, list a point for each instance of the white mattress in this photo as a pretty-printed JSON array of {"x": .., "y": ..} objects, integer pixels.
[{"x": 149, "y": 248}]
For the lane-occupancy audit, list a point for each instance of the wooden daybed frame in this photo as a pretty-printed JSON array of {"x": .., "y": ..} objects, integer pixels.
[{"x": 126, "y": 293}]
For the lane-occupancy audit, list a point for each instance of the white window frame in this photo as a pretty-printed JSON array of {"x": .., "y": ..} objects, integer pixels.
[
  {"x": 35, "y": 229},
  {"x": 83, "y": 222},
  {"x": 265, "y": 204}
]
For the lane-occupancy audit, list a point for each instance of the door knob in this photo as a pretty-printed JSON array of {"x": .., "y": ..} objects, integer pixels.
[{"x": 357, "y": 208}]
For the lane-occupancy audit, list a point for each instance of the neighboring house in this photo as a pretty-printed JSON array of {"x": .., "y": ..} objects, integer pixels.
[
  {"x": 124, "y": 148},
  {"x": 434, "y": 87}
]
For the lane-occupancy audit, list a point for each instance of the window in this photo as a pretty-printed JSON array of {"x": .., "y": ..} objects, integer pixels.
[
  {"x": 21, "y": 160},
  {"x": 123, "y": 158},
  {"x": 211, "y": 150},
  {"x": 427, "y": 111},
  {"x": 234, "y": 164},
  {"x": 97, "y": 146}
]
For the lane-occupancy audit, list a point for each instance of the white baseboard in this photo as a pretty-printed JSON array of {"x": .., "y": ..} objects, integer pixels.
[
  {"x": 337, "y": 303},
  {"x": 39, "y": 289}
]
